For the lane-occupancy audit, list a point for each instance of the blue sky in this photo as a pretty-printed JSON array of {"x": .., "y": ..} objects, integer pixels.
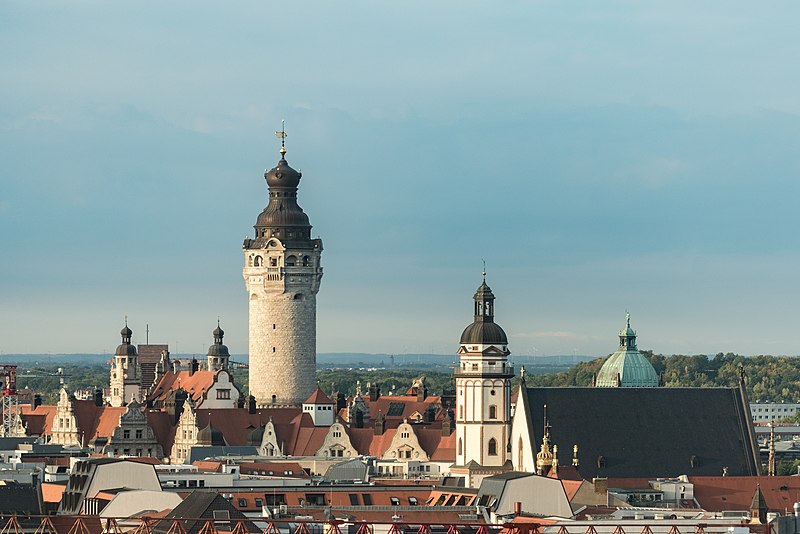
[{"x": 599, "y": 156}]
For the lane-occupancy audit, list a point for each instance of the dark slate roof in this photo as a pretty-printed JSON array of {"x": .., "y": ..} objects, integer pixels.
[
  {"x": 16, "y": 498},
  {"x": 647, "y": 432},
  {"x": 202, "y": 505}
]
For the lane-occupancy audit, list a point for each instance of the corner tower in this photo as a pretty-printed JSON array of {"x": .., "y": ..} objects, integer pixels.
[
  {"x": 282, "y": 273},
  {"x": 483, "y": 393},
  {"x": 126, "y": 377}
]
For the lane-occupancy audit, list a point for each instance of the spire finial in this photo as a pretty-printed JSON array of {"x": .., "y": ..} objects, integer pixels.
[
  {"x": 628, "y": 318},
  {"x": 217, "y": 321},
  {"x": 126, "y": 320},
  {"x": 282, "y": 136},
  {"x": 484, "y": 270}
]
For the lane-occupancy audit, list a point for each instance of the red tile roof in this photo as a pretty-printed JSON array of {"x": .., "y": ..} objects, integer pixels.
[
  {"x": 318, "y": 397},
  {"x": 718, "y": 494},
  {"x": 195, "y": 384}
]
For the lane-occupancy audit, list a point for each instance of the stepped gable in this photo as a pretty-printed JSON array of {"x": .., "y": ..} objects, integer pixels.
[
  {"x": 647, "y": 432},
  {"x": 149, "y": 356}
]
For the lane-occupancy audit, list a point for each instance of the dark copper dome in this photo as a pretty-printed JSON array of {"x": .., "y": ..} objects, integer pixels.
[
  {"x": 282, "y": 175},
  {"x": 484, "y": 333}
]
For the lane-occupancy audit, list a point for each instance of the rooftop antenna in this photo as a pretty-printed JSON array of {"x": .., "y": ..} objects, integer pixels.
[{"x": 282, "y": 136}]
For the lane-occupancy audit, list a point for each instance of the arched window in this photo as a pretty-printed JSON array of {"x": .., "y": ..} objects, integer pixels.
[
  {"x": 291, "y": 261},
  {"x": 306, "y": 261},
  {"x": 257, "y": 262},
  {"x": 492, "y": 447},
  {"x": 274, "y": 398},
  {"x": 492, "y": 412},
  {"x": 298, "y": 296},
  {"x": 459, "y": 446}
]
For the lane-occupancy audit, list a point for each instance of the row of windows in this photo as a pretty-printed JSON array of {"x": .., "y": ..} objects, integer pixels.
[
  {"x": 291, "y": 261},
  {"x": 126, "y": 434}
]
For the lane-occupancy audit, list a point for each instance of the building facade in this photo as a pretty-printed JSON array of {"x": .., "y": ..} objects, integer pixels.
[{"x": 282, "y": 274}]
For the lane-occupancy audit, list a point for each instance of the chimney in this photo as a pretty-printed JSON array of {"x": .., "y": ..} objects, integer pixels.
[
  {"x": 447, "y": 423},
  {"x": 177, "y": 405},
  {"x": 430, "y": 414},
  {"x": 251, "y": 404},
  {"x": 98, "y": 397},
  {"x": 422, "y": 392},
  {"x": 600, "y": 485},
  {"x": 37, "y": 401},
  {"x": 380, "y": 424},
  {"x": 194, "y": 367},
  {"x": 517, "y": 509},
  {"x": 341, "y": 401},
  {"x": 240, "y": 402}
]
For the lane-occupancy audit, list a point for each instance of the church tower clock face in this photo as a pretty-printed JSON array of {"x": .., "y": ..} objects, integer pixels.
[{"x": 282, "y": 273}]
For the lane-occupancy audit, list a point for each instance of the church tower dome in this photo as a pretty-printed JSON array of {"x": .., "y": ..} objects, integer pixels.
[
  {"x": 627, "y": 367},
  {"x": 282, "y": 273},
  {"x": 126, "y": 376}
]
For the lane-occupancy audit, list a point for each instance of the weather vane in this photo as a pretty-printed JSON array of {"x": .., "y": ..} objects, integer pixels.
[{"x": 282, "y": 136}]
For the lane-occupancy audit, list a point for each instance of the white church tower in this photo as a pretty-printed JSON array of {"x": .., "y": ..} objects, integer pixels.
[
  {"x": 282, "y": 274},
  {"x": 483, "y": 394}
]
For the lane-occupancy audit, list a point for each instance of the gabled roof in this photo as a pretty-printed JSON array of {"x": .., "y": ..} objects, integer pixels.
[
  {"x": 318, "y": 397},
  {"x": 647, "y": 432},
  {"x": 96, "y": 421}
]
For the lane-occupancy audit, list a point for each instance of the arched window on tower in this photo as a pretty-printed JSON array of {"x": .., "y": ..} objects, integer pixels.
[
  {"x": 306, "y": 261},
  {"x": 291, "y": 261},
  {"x": 460, "y": 444},
  {"x": 492, "y": 447},
  {"x": 257, "y": 261}
]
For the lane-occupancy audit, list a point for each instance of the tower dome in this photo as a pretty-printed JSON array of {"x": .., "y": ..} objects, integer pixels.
[
  {"x": 627, "y": 367},
  {"x": 484, "y": 330},
  {"x": 126, "y": 348},
  {"x": 210, "y": 436}
]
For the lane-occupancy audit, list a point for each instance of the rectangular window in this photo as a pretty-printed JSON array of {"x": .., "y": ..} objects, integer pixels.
[
  {"x": 275, "y": 499},
  {"x": 126, "y": 434},
  {"x": 223, "y": 394},
  {"x": 259, "y": 502},
  {"x": 315, "y": 499},
  {"x": 192, "y": 483},
  {"x": 412, "y": 501},
  {"x": 395, "y": 501},
  {"x": 138, "y": 434},
  {"x": 242, "y": 503},
  {"x": 354, "y": 499},
  {"x": 367, "y": 499}
]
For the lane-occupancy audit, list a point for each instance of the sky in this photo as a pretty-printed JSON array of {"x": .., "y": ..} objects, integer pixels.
[{"x": 599, "y": 156}]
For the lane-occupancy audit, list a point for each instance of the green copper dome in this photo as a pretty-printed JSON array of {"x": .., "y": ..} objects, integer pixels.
[{"x": 627, "y": 368}]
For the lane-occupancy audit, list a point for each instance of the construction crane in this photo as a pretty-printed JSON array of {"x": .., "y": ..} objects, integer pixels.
[{"x": 10, "y": 400}]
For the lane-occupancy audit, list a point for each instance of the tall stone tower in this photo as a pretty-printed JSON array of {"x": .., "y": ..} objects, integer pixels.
[
  {"x": 282, "y": 274},
  {"x": 483, "y": 394},
  {"x": 126, "y": 376}
]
